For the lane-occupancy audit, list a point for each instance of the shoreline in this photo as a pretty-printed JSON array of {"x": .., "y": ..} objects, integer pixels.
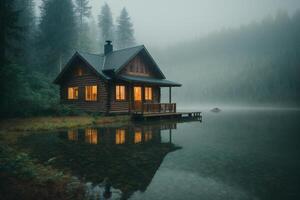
[{"x": 55, "y": 123}]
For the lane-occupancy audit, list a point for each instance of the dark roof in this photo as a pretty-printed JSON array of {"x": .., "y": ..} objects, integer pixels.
[
  {"x": 149, "y": 80},
  {"x": 115, "y": 61}
]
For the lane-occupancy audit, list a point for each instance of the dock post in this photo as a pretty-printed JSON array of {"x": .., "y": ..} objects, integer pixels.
[
  {"x": 170, "y": 94},
  {"x": 170, "y": 136}
]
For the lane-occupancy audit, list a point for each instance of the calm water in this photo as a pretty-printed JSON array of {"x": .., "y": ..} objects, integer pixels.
[{"x": 230, "y": 155}]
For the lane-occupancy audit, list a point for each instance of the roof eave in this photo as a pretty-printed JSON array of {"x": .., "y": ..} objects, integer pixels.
[{"x": 57, "y": 79}]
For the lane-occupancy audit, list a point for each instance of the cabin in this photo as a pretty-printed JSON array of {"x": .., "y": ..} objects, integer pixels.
[{"x": 121, "y": 81}]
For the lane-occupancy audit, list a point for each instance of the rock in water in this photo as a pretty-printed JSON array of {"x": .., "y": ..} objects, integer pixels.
[{"x": 216, "y": 110}]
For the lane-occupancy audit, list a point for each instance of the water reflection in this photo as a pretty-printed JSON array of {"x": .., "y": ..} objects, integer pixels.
[
  {"x": 127, "y": 155},
  {"x": 133, "y": 134}
]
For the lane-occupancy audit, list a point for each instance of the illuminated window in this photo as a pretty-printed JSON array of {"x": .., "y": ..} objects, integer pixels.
[
  {"x": 91, "y": 93},
  {"x": 73, "y": 93},
  {"x": 120, "y": 92},
  {"x": 91, "y": 135},
  {"x": 73, "y": 134},
  {"x": 120, "y": 136},
  {"x": 148, "y": 93},
  {"x": 79, "y": 71},
  {"x": 137, "y": 93},
  {"x": 137, "y": 137},
  {"x": 148, "y": 135}
]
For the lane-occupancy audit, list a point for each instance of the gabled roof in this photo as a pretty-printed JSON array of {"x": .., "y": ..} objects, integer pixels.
[{"x": 114, "y": 61}]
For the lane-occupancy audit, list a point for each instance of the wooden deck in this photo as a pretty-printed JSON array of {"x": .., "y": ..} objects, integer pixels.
[{"x": 167, "y": 115}]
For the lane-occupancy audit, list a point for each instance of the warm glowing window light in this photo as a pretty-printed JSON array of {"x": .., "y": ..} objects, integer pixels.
[
  {"x": 79, "y": 71},
  {"x": 148, "y": 135},
  {"x": 148, "y": 93},
  {"x": 137, "y": 136},
  {"x": 91, "y": 135},
  {"x": 120, "y": 92},
  {"x": 120, "y": 136},
  {"x": 73, "y": 134},
  {"x": 137, "y": 93},
  {"x": 73, "y": 93},
  {"x": 91, "y": 93}
]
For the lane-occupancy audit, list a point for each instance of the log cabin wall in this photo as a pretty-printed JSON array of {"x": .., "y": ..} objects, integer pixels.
[
  {"x": 86, "y": 79},
  {"x": 139, "y": 66},
  {"x": 119, "y": 105},
  {"x": 127, "y": 104}
]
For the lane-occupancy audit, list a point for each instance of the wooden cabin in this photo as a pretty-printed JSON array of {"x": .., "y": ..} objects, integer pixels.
[{"x": 121, "y": 81}]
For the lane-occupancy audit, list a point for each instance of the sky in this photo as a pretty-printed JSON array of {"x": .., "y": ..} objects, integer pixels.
[{"x": 165, "y": 22}]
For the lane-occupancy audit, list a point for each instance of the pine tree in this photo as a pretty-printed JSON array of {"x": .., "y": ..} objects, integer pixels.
[
  {"x": 83, "y": 11},
  {"x": 57, "y": 37},
  {"x": 125, "y": 37},
  {"x": 106, "y": 23},
  {"x": 10, "y": 31},
  {"x": 28, "y": 23}
]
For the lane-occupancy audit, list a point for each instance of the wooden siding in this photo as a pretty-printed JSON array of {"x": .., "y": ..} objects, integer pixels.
[
  {"x": 139, "y": 66},
  {"x": 127, "y": 104},
  {"x": 88, "y": 78},
  {"x": 106, "y": 94}
]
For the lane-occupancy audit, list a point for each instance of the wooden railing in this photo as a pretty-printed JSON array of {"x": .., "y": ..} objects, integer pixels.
[{"x": 159, "y": 107}]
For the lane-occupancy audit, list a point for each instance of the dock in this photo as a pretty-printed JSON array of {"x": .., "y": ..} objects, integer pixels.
[{"x": 167, "y": 115}]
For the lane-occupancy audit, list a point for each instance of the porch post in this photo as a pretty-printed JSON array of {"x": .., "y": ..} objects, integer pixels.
[
  {"x": 170, "y": 94},
  {"x": 143, "y": 97},
  {"x": 129, "y": 97}
]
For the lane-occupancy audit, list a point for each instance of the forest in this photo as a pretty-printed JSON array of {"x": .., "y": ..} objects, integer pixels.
[
  {"x": 34, "y": 48},
  {"x": 257, "y": 63}
]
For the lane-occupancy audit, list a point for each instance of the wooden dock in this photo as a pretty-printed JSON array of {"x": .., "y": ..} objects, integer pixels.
[{"x": 168, "y": 115}]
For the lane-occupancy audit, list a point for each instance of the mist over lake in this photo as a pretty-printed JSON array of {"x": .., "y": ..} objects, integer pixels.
[{"x": 130, "y": 99}]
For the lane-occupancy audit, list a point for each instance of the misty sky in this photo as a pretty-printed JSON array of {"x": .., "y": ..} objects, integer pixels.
[{"x": 164, "y": 22}]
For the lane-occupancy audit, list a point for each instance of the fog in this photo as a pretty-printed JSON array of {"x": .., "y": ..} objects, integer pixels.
[{"x": 165, "y": 22}]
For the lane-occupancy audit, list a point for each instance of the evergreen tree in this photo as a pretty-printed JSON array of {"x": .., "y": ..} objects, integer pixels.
[
  {"x": 57, "y": 37},
  {"x": 83, "y": 11},
  {"x": 10, "y": 31},
  {"x": 125, "y": 37},
  {"x": 28, "y": 23},
  {"x": 106, "y": 23}
]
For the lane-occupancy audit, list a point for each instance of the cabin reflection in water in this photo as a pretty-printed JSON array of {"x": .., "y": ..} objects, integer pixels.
[
  {"x": 91, "y": 135},
  {"x": 73, "y": 134},
  {"x": 119, "y": 136},
  {"x": 128, "y": 155}
]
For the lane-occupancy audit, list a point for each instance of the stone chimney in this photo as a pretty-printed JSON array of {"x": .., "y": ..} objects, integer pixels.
[{"x": 108, "y": 47}]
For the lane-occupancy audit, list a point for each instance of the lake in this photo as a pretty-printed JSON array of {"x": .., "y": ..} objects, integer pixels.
[{"x": 234, "y": 154}]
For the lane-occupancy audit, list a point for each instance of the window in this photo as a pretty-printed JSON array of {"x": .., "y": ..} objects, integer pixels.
[
  {"x": 120, "y": 136},
  {"x": 137, "y": 136},
  {"x": 148, "y": 93},
  {"x": 73, "y": 134},
  {"x": 91, "y": 135},
  {"x": 120, "y": 92},
  {"x": 79, "y": 71},
  {"x": 73, "y": 93},
  {"x": 91, "y": 93},
  {"x": 137, "y": 93},
  {"x": 148, "y": 135}
]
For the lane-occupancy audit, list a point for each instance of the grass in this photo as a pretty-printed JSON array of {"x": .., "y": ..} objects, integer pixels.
[
  {"x": 53, "y": 123},
  {"x": 21, "y": 177}
]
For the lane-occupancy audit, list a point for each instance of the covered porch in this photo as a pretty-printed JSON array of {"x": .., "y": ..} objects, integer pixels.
[{"x": 142, "y": 91}]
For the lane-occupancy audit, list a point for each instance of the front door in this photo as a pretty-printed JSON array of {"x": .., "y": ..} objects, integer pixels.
[{"x": 137, "y": 98}]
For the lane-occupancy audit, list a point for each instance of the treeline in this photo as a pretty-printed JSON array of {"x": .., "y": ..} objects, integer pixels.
[
  {"x": 255, "y": 64},
  {"x": 35, "y": 48}
]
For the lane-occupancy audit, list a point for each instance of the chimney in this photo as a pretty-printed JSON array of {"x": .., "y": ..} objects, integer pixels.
[{"x": 108, "y": 47}]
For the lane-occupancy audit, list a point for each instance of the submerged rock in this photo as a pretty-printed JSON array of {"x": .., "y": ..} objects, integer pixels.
[{"x": 216, "y": 110}]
